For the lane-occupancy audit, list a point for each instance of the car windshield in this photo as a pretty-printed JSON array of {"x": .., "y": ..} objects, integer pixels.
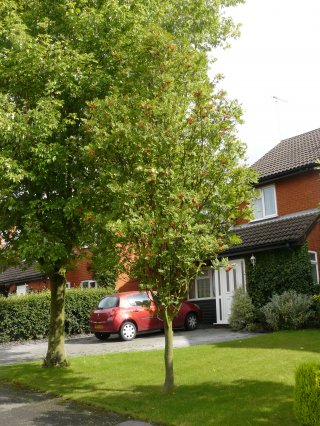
[{"x": 109, "y": 302}]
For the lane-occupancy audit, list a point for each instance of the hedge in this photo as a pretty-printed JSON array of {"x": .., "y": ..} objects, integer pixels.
[
  {"x": 307, "y": 394},
  {"x": 27, "y": 317}
]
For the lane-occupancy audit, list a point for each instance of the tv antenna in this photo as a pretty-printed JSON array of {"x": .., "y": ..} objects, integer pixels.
[{"x": 277, "y": 99}]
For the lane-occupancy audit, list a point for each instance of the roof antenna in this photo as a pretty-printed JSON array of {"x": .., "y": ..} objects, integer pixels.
[{"x": 277, "y": 100}]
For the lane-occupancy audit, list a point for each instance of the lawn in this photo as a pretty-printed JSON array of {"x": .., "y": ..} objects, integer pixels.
[{"x": 246, "y": 382}]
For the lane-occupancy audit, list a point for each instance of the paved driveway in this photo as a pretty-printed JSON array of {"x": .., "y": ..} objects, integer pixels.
[{"x": 88, "y": 345}]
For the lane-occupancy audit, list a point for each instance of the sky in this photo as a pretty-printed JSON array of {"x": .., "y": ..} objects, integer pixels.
[{"x": 273, "y": 70}]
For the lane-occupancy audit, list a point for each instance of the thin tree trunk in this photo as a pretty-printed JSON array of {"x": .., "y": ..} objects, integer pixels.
[
  {"x": 168, "y": 355},
  {"x": 56, "y": 356}
]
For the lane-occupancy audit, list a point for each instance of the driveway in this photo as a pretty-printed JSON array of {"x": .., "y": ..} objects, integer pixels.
[{"x": 88, "y": 345}]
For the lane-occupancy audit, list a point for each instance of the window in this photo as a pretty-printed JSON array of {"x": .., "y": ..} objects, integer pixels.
[
  {"x": 109, "y": 302},
  {"x": 202, "y": 287},
  {"x": 88, "y": 284},
  {"x": 314, "y": 266},
  {"x": 22, "y": 289},
  {"x": 265, "y": 204},
  {"x": 140, "y": 299}
]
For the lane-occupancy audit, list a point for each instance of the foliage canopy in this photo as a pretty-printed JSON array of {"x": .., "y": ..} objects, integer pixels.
[{"x": 107, "y": 106}]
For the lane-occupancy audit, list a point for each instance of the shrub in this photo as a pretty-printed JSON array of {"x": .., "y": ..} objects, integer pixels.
[
  {"x": 27, "y": 317},
  {"x": 307, "y": 394},
  {"x": 242, "y": 311},
  {"x": 290, "y": 310},
  {"x": 315, "y": 322}
]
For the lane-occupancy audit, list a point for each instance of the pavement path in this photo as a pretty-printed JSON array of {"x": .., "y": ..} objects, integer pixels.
[
  {"x": 25, "y": 407},
  {"x": 28, "y": 408}
]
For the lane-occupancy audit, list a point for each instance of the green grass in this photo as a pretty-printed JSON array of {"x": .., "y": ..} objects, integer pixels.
[{"x": 247, "y": 382}]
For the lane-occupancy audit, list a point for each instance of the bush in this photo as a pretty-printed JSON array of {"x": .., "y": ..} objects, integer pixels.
[
  {"x": 307, "y": 394},
  {"x": 315, "y": 321},
  {"x": 27, "y": 317},
  {"x": 242, "y": 311},
  {"x": 290, "y": 310}
]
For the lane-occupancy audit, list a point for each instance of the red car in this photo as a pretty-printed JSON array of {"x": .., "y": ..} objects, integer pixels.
[{"x": 132, "y": 312}]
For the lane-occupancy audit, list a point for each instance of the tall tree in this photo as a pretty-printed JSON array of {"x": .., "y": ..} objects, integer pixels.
[
  {"x": 55, "y": 59},
  {"x": 171, "y": 169}
]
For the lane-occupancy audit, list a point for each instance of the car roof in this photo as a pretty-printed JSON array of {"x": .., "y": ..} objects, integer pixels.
[{"x": 126, "y": 293}]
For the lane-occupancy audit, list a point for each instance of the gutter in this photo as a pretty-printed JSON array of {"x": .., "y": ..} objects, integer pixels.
[
  {"x": 293, "y": 172},
  {"x": 257, "y": 249}
]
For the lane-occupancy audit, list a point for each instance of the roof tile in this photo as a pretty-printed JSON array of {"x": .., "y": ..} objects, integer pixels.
[
  {"x": 280, "y": 231},
  {"x": 17, "y": 275},
  {"x": 290, "y": 155}
]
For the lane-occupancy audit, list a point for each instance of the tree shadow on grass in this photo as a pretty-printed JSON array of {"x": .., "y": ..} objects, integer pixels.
[
  {"x": 302, "y": 340},
  {"x": 241, "y": 402}
]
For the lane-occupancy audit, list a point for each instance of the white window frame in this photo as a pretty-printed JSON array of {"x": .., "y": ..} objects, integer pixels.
[
  {"x": 195, "y": 283},
  {"x": 22, "y": 289},
  {"x": 88, "y": 281},
  {"x": 315, "y": 262},
  {"x": 264, "y": 216}
]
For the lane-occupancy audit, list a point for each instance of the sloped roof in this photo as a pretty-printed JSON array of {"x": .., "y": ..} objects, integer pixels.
[
  {"x": 19, "y": 275},
  {"x": 289, "y": 229},
  {"x": 290, "y": 156}
]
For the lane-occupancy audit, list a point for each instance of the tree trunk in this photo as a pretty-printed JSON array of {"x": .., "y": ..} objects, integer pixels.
[
  {"x": 168, "y": 355},
  {"x": 56, "y": 356}
]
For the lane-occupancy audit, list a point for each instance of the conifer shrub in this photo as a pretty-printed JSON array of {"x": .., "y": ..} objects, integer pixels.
[{"x": 307, "y": 394}]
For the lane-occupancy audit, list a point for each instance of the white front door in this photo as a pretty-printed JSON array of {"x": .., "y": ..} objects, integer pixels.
[{"x": 225, "y": 284}]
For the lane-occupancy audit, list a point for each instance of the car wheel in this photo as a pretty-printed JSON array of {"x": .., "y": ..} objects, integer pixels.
[
  {"x": 102, "y": 336},
  {"x": 128, "y": 331},
  {"x": 191, "y": 321}
]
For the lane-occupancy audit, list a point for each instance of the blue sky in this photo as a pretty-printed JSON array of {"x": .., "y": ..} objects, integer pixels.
[{"x": 277, "y": 55}]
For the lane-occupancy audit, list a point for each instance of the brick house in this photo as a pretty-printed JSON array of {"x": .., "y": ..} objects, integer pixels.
[
  {"x": 21, "y": 280},
  {"x": 286, "y": 219}
]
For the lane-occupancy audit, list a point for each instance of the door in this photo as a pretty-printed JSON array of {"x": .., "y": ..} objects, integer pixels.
[
  {"x": 225, "y": 284},
  {"x": 143, "y": 311}
]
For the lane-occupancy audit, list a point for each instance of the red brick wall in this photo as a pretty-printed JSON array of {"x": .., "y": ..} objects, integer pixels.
[
  {"x": 298, "y": 193},
  {"x": 39, "y": 285},
  {"x": 81, "y": 272},
  {"x": 124, "y": 283}
]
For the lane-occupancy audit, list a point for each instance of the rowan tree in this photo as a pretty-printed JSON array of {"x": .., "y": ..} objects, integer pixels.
[{"x": 171, "y": 170}]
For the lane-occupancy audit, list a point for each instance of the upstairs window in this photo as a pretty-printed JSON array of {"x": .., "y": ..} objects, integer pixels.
[{"x": 265, "y": 204}]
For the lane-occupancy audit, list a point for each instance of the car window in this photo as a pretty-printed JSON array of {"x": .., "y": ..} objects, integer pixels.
[
  {"x": 109, "y": 302},
  {"x": 140, "y": 299}
]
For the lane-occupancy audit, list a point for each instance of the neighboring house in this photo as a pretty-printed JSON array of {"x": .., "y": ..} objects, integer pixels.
[
  {"x": 286, "y": 216},
  {"x": 22, "y": 280}
]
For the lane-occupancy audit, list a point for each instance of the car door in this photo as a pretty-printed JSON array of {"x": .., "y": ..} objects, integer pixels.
[
  {"x": 178, "y": 320},
  {"x": 143, "y": 312}
]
